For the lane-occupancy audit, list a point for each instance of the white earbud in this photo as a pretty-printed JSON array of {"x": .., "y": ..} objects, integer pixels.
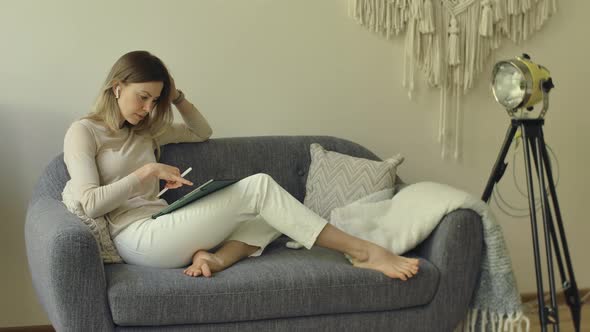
[{"x": 117, "y": 92}]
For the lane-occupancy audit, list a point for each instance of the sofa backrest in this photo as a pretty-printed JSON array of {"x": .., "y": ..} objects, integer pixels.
[{"x": 285, "y": 158}]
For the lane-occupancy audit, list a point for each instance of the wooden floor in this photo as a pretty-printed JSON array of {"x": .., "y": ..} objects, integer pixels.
[{"x": 565, "y": 318}]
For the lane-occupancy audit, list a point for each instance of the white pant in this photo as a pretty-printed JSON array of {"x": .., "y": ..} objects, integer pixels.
[{"x": 255, "y": 210}]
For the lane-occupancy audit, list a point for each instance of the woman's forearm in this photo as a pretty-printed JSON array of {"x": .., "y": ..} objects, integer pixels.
[
  {"x": 194, "y": 118},
  {"x": 144, "y": 172}
]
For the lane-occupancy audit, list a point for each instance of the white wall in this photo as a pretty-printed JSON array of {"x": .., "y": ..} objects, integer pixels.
[{"x": 262, "y": 67}]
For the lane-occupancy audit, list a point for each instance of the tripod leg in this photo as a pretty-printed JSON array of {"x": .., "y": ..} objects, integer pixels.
[
  {"x": 550, "y": 216},
  {"x": 540, "y": 299},
  {"x": 572, "y": 294},
  {"x": 499, "y": 166},
  {"x": 551, "y": 312}
]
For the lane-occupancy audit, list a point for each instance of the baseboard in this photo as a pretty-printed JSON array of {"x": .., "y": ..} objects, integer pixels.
[
  {"x": 38, "y": 328},
  {"x": 532, "y": 296}
]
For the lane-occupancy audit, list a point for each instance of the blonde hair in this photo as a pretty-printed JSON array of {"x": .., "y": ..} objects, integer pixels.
[{"x": 135, "y": 67}]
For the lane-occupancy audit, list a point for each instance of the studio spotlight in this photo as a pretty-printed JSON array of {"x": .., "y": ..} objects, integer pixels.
[{"x": 518, "y": 84}]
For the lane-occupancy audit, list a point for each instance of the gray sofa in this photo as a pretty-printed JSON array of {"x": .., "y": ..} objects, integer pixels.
[{"x": 281, "y": 290}]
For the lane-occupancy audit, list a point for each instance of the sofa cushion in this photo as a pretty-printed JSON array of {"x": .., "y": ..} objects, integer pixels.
[
  {"x": 280, "y": 283},
  {"x": 336, "y": 179}
]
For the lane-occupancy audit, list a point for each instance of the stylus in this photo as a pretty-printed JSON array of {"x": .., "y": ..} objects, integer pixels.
[{"x": 181, "y": 175}]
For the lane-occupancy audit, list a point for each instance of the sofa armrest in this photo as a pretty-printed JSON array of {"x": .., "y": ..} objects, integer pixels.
[
  {"x": 66, "y": 268},
  {"x": 455, "y": 247}
]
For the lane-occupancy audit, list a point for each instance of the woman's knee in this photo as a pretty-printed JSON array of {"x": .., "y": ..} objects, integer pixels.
[
  {"x": 261, "y": 177},
  {"x": 260, "y": 183}
]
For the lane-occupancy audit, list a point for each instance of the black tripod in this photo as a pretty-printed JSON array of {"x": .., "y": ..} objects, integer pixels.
[{"x": 532, "y": 133}]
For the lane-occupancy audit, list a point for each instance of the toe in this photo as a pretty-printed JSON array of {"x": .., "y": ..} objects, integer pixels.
[
  {"x": 398, "y": 273},
  {"x": 410, "y": 268},
  {"x": 407, "y": 272},
  {"x": 194, "y": 273},
  {"x": 206, "y": 270}
]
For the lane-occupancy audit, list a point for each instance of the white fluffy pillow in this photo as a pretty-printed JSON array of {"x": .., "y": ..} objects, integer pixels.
[{"x": 403, "y": 222}]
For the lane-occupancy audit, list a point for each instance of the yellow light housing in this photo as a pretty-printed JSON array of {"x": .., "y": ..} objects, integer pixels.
[{"x": 520, "y": 83}]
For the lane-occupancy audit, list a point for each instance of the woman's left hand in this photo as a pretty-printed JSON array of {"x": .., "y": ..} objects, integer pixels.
[{"x": 173, "y": 91}]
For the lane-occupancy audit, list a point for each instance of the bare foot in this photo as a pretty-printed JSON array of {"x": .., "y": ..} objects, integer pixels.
[
  {"x": 204, "y": 263},
  {"x": 390, "y": 264}
]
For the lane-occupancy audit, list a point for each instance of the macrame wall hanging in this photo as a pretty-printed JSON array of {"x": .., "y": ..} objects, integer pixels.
[{"x": 450, "y": 41}]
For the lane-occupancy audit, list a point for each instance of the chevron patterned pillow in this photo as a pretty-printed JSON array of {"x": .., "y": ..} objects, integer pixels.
[{"x": 336, "y": 179}]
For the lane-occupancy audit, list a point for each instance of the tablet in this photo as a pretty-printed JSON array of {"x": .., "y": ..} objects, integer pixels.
[{"x": 203, "y": 190}]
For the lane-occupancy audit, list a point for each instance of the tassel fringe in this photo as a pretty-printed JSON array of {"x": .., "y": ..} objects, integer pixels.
[
  {"x": 451, "y": 43},
  {"x": 486, "y": 28},
  {"x": 486, "y": 320},
  {"x": 453, "y": 50}
]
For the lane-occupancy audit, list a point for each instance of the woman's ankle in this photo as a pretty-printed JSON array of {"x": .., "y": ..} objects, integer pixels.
[
  {"x": 333, "y": 238},
  {"x": 360, "y": 254},
  {"x": 233, "y": 251}
]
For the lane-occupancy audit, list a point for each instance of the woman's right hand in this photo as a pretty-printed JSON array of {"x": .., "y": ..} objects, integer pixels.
[{"x": 165, "y": 172}]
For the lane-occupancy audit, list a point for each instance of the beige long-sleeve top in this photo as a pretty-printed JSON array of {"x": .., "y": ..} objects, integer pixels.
[{"x": 101, "y": 166}]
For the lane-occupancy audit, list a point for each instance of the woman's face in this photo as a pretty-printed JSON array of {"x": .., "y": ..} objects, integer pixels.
[{"x": 136, "y": 100}]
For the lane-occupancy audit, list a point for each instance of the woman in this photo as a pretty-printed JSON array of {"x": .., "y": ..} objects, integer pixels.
[{"x": 109, "y": 155}]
